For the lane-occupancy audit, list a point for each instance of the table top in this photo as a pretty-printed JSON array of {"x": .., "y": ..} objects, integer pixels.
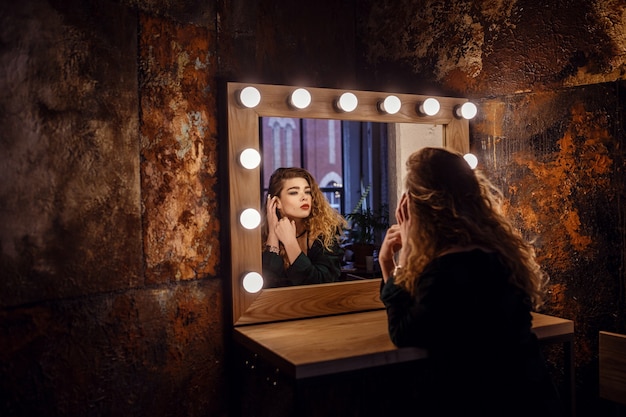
[{"x": 328, "y": 345}]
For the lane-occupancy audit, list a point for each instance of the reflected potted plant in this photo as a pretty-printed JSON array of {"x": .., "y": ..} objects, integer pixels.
[{"x": 366, "y": 226}]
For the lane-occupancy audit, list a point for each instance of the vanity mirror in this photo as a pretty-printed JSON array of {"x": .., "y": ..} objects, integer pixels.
[{"x": 246, "y": 104}]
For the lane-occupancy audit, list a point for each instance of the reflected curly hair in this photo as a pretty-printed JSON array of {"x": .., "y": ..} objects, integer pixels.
[
  {"x": 324, "y": 223},
  {"x": 453, "y": 205}
]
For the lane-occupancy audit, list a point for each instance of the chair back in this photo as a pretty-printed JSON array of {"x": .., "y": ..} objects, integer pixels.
[{"x": 612, "y": 347}]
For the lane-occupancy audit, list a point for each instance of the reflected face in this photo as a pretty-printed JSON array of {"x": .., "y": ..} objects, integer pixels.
[{"x": 295, "y": 200}]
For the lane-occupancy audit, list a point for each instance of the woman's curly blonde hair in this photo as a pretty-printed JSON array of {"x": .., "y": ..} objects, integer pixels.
[
  {"x": 454, "y": 206},
  {"x": 324, "y": 222}
]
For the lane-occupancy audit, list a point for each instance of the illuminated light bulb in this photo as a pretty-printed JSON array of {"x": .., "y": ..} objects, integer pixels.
[
  {"x": 429, "y": 107},
  {"x": 467, "y": 110},
  {"x": 249, "y": 97},
  {"x": 252, "y": 282},
  {"x": 250, "y": 218},
  {"x": 471, "y": 160},
  {"x": 300, "y": 98},
  {"x": 250, "y": 158},
  {"x": 347, "y": 102},
  {"x": 390, "y": 105}
]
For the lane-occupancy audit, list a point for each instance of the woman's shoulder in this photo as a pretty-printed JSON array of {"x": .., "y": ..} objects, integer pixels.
[
  {"x": 463, "y": 272},
  {"x": 467, "y": 259}
]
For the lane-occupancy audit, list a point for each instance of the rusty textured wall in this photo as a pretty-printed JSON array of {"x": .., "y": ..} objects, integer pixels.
[
  {"x": 179, "y": 151},
  {"x": 492, "y": 47},
  {"x": 289, "y": 42},
  {"x": 59, "y": 134},
  {"x": 110, "y": 296}
]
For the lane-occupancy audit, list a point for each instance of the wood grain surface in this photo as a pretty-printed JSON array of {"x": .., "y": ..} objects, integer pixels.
[{"x": 346, "y": 342}]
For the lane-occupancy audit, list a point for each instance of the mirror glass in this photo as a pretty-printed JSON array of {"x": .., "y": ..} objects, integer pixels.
[
  {"x": 349, "y": 160},
  {"x": 404, "y": 131}
]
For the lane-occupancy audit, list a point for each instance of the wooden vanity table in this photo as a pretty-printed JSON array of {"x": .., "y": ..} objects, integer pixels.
[{"x": 349, "y": 345}]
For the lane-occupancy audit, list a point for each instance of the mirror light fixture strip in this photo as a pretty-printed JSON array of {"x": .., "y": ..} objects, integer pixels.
[{"x": 347, "y": 102}]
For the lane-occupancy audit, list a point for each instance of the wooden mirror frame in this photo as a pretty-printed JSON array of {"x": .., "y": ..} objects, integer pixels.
[{"x": 277, "y": 304}]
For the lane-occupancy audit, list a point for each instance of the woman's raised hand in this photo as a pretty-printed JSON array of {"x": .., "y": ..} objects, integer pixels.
[
  {"x": 272, "y": 218},
  {"x": 282, "y": 229},
  {"x": 403, "y": 214},
  {"x": 392, "y": 243},
  {"x": 272, "y": 221},
  {"x": 395, "y": 239}
]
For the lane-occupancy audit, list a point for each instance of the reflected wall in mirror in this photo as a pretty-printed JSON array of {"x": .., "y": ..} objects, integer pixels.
[{"x": 407, "y": 128}]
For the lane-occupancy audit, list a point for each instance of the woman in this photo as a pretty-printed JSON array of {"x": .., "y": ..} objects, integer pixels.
[
  {"x": 301, "y": 232},
  {"x": 463, "y": 288}
]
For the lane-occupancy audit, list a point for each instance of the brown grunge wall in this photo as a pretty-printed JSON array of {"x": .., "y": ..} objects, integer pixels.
[{"x": 112, "y": 284}]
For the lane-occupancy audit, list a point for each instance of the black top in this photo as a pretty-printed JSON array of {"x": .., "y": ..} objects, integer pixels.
[
  {"x": 316, "y": 267},
  {"x": 483, "y": 355}
]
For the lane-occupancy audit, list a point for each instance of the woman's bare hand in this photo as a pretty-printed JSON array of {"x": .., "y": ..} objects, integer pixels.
[
  {"x": 403, "y": 214},
  {"x": 286, "y": 231},
  {"x": 272, "y": 220},
  {"x": 392, "y": 243}
]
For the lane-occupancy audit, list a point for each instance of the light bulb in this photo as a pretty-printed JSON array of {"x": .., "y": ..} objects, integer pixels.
[
  {"x": 429, "y": 107},
  {"x": 252, "y": 282},
  {"x": 300, "y": 98},
  {"x": 347, "y": 102},
  {"x": 249, "y": 97},
  {"x": 471, "y": 160},
  {"x": 250, "y": 158},
  {"x": 467, "y": 111},
  {"x": 250, "y": 218},
  {"x": 390, "y": 105}
]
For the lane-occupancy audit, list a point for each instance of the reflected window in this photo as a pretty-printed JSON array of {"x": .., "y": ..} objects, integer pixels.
[
  {"x": 345, "y": 157},
  {"x": 280, "y": 151}
]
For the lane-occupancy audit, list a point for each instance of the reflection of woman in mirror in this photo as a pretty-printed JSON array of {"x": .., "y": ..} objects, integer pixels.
[
  {"x": 300, "y": 232},
  {"x": 464, "y": 288}
]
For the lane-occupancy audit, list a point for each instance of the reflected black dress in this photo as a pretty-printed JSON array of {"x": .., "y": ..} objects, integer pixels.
[
  {"x": 484, "y": 358},
  {"x": 318, "y": 266}
]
